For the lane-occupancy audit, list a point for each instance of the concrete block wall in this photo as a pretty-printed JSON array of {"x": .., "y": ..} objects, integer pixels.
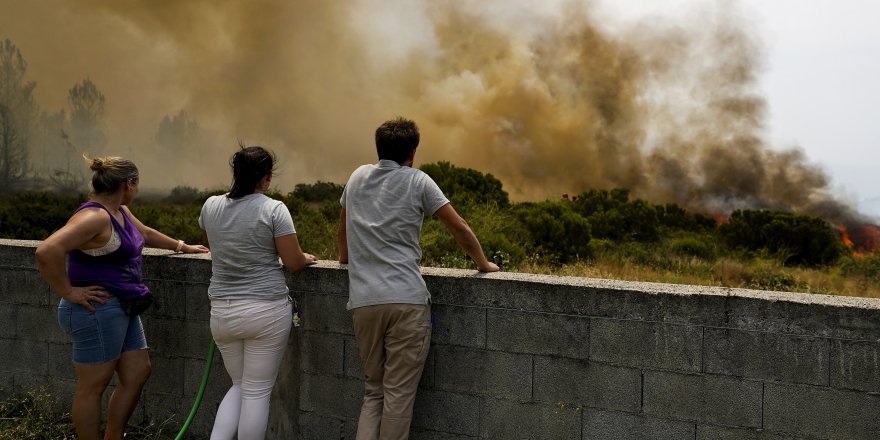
[{"x": 513, "y": 356}]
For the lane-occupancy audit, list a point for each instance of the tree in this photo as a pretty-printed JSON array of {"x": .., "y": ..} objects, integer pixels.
[
  {"x": 177, "y": 131},
  {"x": 614, "y": 216},
  {"x": 86, "y": 116},
  {"x": 18, "y": 115},
  {"x": 67, "y": 179},
  {"x": 465, "y": 185},
  {"x": 318, "y": 192},
  {"x": 178, "y": 136}
]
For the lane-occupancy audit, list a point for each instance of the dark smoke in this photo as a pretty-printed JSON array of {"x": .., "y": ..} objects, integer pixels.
[{"x": 550, "y": 103}]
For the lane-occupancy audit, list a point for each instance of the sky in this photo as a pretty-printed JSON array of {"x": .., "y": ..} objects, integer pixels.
[
  {"x": 822, "y": 61},
  {"x": 313, "y": 79}
]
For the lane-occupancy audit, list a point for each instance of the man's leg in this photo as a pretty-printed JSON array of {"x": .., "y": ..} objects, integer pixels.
[
  {"x": 369, "y": 333},
  {"x": 406, "y": 347}
]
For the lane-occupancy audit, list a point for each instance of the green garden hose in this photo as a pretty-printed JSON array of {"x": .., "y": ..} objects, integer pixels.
[{"x": 202, "y": 386}]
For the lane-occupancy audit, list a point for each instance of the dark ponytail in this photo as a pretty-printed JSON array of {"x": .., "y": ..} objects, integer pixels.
[{"x": 249, "y": 166}]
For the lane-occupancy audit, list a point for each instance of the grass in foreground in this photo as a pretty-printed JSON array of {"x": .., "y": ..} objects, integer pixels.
[{"x": 32, "y": 416}]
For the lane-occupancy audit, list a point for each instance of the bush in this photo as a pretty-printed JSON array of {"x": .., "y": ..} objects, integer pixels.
[
  {"x": 499, "y": 231},
  {"x": 797, "y": 239},
  {"x": 465, "y": 186},
  {"x": 556, "y": 228},
  {"x": 35, "y": 216},
  {"x": 613, "y": 216},
  {"x": 692, "y": 247},
  {"x": 317, "y": 192},
  {"x": 674, "y": 217}
]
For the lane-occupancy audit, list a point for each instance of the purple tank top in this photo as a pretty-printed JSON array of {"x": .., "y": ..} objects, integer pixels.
[{"x": 119, "y": 271}]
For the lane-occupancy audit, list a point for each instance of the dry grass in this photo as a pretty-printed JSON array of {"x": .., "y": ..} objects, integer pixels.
[{"x": 760, "y": 274}]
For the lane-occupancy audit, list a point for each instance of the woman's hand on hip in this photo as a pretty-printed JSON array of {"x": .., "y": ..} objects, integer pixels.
[{"x": 85, "y": 295}]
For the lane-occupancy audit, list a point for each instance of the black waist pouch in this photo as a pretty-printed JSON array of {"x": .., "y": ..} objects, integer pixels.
[{"x": 136, "y": 306}]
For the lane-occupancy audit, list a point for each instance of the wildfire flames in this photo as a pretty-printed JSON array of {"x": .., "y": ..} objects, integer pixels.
[{"x": 864, "y": 240}]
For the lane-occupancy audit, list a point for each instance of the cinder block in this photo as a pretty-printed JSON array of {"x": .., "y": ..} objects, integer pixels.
[
  {"x": 416, "y": 434},
  {"x": 845, "y": 320},
  {"x": 25, "y": 286},
  {"x": 646, "y": 344},
  {"x": 322, "y": 353},
  {"x": 428, "y": 379},
  {"x": 450, "y": 413},
  {"x": 504, "y": 419},
  {"x": 331, "y": 396},
  {"x": 162, "y": 267},
  {"x": 169, "y": 299},
  {"x": 821, "y": 412},
  {"x": 538, "y": 333},
  {"x": 855, "y": 365},
  {"x": 196, "y": 302},
  {"x": 166, "y": 337},
  {"x": 703, "y": 398},
  {"x": 315, "y": 427},
  {"x": 709, "y": 432},
  {"x": 36, "y": 384},
  {"x": 8, "y": 318},
  {"x": 61, "y": 361},
  {"x": 769, "y": 356},
  {"x": 320, "y": 280},
  {"x": 623, "y": 426},
  {"x": 40, "y": 322},
  {"x": 18, "y": 254},
  {"x": 486, "y": 373},
  {"x": 166, "y": 265},
  {"x": 325, "y": 313},
  {"x": 218, "y": 379},
  {"x": 167, "y": 376},
  {"x": 587, "y": 383},
  {"x": 24, "y": 356},
  {"x": 195, "y": 339},
  {"x": 462, "y": 326},
  {"x": 353, "y": 367}
]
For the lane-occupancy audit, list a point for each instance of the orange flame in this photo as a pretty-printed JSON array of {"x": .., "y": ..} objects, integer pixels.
[{"x": 863, "y": 240}]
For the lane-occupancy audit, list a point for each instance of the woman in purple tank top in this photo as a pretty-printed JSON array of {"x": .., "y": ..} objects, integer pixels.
[{"x": 102, "y": 245}]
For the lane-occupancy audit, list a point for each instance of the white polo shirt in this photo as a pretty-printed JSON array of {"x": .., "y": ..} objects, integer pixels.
[{"x": 385, "y": 206}]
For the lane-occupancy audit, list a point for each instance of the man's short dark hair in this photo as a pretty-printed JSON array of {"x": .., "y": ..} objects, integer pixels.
[{"x": 397, "y": 139}]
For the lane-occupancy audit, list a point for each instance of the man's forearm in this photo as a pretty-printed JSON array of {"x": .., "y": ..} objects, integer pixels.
[{"x": 469, "y": 243}]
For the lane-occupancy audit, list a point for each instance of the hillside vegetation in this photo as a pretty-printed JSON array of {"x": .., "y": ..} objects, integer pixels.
[{"x": 599, "y": 233}]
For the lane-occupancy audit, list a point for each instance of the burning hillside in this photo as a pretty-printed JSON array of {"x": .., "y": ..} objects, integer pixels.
[
  {"x": 547, "y": 99},
  {"x": 863, "y": 239}
]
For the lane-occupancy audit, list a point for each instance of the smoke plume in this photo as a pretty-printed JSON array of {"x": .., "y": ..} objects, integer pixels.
[{"x": 551, "y": 100}]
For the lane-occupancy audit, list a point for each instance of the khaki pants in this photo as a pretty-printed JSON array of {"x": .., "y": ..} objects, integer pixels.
[{"x": 392, "y": 341}]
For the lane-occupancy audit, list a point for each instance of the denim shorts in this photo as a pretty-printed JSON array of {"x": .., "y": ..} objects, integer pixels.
[{"x": 101, "y": 336}]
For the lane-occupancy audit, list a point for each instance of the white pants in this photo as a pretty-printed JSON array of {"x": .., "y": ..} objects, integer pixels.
[{"x": 252, "y": 336}]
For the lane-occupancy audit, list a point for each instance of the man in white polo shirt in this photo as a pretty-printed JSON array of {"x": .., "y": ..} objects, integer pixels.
[{"x": 383, "y": 206}]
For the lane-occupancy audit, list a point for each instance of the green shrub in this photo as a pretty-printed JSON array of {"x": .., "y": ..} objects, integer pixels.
[
  {"x": 556, "y": 228},
  {"x": 797, "y": 239},
  {"x": 612, "y": 215},
  {"x": 35, "y": 216},
  {"x": 692, "y": 247},
  {"x": 465, "y": 185},
  {"x": 317, "y": 192},
  {"x": 867, "y": 267},
  {"x": 676, "y": 218}
]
